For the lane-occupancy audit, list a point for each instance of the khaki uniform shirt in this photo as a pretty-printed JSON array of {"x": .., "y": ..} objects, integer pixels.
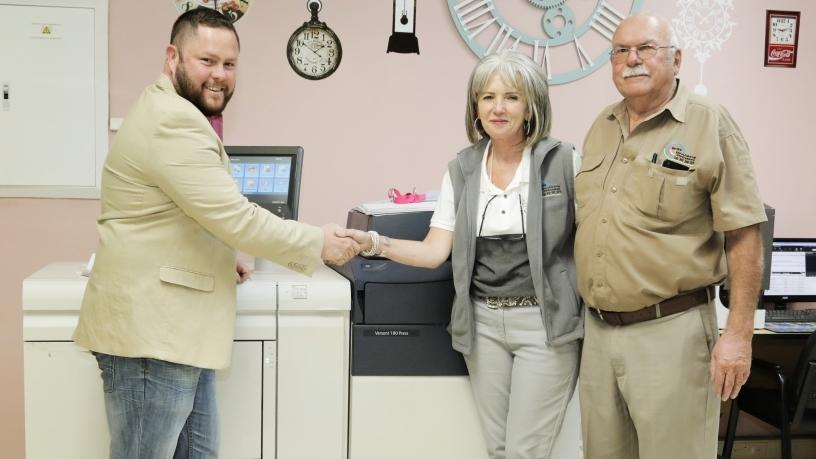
[{"x": 648, "y": 232}]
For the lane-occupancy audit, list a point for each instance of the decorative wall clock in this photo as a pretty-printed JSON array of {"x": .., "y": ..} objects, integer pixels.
[
  {"x": 781, "y": 38},
  {"x": 314, "y": 51},
  {"x": 570, "y": 39},
  {"x": 703, "y": 26},
  {"x": 233, "y": 9},
  {"x": 403, "y": 28}
]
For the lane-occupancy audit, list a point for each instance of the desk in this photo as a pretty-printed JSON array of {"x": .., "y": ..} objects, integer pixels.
[
  {"x": 765, "y": 331},
  {"x": 759, "y": 319},
  {"x": 782, "y": 348},
  {"x": 761, "y": 397}
]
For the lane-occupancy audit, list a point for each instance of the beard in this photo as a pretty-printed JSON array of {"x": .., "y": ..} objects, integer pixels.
[{"x": 195, "y": 94}]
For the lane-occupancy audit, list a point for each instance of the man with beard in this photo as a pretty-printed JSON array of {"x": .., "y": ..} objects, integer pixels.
[
  {"x": 667, "y": 206},
  {"x": 159, "y": 307}
]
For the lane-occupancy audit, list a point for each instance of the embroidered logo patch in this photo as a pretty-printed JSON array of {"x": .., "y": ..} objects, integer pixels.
[
  {"x": 678, "y": 153},
  {"x": 550, "y": 190}
]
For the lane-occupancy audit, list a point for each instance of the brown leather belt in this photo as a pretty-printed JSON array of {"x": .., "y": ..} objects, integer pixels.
[{"x": 665, "y": 308}]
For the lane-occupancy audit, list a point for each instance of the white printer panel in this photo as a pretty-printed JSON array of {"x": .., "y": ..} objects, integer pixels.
[
  {"x": 430, "y": 417},
  {"x": 288, "y": 402},
  {"x": 65, "y": 410},
  {"x": 52, "y": 297},
  {"x": 313, "y": 371},
  {"x": 64, "y": 407},
  {"x": 51, "y": 300}
]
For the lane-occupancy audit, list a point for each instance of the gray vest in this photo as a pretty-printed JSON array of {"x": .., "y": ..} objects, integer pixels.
[{"x": 550, "y": 240}]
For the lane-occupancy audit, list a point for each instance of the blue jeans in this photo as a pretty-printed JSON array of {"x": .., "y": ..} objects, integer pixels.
[{"x": 158, "y": 409}]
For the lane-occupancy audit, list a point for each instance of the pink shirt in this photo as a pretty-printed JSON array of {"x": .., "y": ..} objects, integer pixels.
[{"x": 217, "y": 122}]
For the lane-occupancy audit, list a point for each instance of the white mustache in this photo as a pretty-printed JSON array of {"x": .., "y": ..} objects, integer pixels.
[{"x": 638, "y": 70}]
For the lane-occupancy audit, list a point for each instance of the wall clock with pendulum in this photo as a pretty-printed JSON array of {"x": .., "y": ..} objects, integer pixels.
[
  {"x": 781, "y": 38},
  {"x": 403, "y": 37}
]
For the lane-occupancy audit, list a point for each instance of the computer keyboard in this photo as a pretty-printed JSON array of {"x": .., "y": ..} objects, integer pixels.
[{"x": 790, "y": 315}]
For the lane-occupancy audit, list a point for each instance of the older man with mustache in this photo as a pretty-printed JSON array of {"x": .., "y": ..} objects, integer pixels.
[{"x": 667, "y": 206}]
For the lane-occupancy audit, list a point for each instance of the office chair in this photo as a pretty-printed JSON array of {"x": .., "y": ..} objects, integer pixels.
[{"x": 787, "y": 402}]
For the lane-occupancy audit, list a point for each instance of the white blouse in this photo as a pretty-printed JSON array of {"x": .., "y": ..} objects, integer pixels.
[{"x": 502, "y": 215}]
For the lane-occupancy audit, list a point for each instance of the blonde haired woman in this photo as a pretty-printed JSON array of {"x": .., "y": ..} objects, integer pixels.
[{"x": 506, "y": 216}]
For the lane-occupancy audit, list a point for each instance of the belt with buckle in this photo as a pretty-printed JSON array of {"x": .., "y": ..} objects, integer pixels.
[
  {"x": 673, "y": 305},
  {"x": 495, "y": 302}
]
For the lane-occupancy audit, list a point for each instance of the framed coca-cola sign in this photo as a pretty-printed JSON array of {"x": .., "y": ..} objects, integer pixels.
[{"x": 781, "y": 38}]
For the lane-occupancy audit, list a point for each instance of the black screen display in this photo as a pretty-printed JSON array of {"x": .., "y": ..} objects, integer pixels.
[
  {"x": 268, "y": 176},
  {"x": 793, "y": 270},
  {"x": 262, "y": 175}
]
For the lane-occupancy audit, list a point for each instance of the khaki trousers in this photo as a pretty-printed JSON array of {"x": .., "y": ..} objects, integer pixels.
[
  {"x": 644, "y": 388},
  {"x": 521, "y": 385}
]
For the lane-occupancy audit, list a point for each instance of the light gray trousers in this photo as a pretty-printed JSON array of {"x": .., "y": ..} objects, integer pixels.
[{"x": 521, "y": 385}]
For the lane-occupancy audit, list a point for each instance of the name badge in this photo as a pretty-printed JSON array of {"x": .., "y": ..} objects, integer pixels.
[
  {"x": 679, "y": 154},
  {"x": 550, "y": 190}
]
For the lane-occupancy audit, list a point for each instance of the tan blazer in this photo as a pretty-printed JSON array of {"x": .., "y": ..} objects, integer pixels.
[{"x": 163, "y": 284}]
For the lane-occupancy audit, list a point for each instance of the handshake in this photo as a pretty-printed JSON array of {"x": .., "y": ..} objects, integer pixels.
[{"x": 342, "y": 244}]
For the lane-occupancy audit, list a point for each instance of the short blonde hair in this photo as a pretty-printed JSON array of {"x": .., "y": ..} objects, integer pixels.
[{"x": 520, "y": 72}]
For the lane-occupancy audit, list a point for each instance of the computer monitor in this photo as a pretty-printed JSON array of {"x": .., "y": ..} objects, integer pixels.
[
  {"x": 793, "y": 271},
  {"x": 269, "y": 176}
]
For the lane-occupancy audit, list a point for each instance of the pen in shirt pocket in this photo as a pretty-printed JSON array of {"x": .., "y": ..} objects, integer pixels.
[{"x": 654, "y": 158}]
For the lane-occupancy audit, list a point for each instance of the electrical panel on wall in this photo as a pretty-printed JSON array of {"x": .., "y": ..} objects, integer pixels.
[{"x": 54, "y": 107}]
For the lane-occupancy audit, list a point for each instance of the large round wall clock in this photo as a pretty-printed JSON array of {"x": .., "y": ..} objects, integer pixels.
[
  {"x": 569, "y": 39},
  {"x": 233, "y": 9}
]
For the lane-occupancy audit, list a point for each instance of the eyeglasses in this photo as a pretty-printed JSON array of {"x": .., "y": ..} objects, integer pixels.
[
  {"x": 503, "y": 237},
  {"x": 647, "y": 51}
]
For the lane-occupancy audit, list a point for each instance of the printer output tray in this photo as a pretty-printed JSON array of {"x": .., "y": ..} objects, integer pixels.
[{"x": 387, "y": 292}]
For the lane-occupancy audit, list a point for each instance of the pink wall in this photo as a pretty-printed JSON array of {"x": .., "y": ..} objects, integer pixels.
[{"x": 388, "y": 120}]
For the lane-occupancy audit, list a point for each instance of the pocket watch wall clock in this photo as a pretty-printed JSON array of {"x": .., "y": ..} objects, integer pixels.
[
  {"x": 403, "y": 28},
  {"x": 314, "y": 51},
  {"x": 570, "y": 39},
  {"x": 233, "y": 9}
]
